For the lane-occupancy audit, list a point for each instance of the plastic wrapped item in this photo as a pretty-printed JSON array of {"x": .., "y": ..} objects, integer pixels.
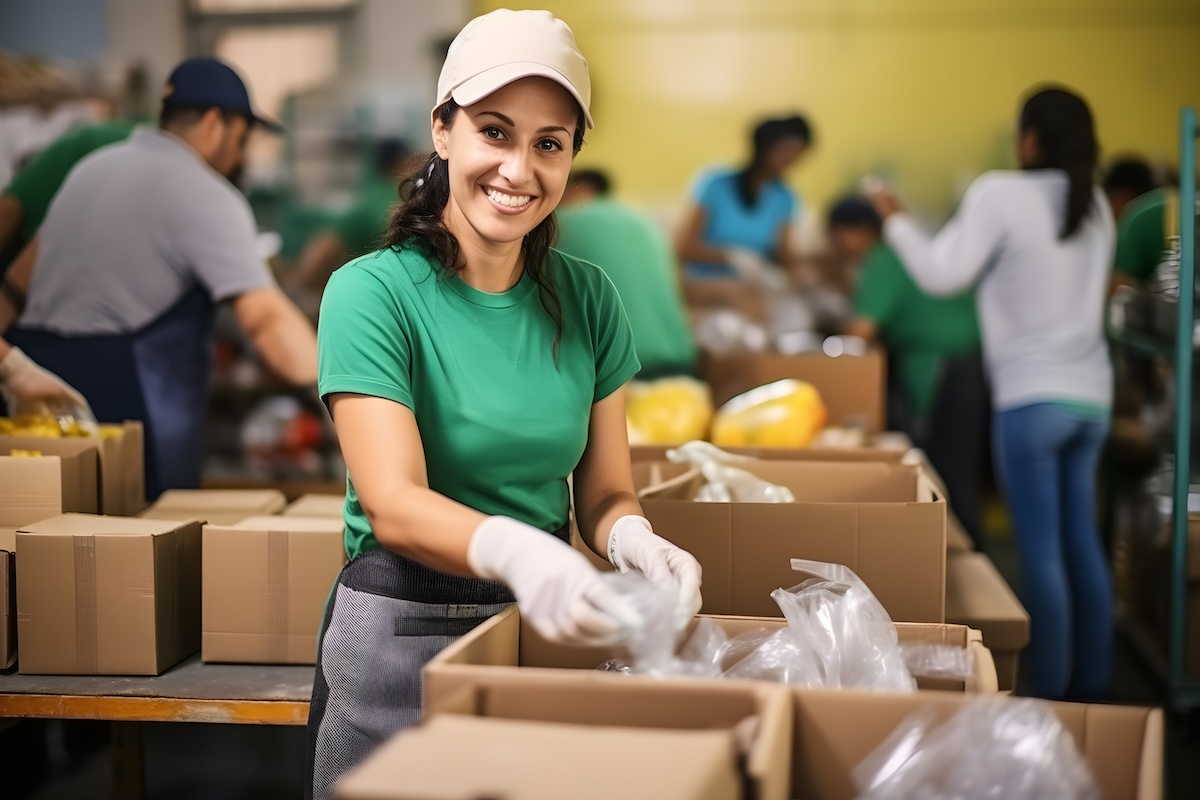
[
  {"x": 669, "y": 411},
  {"x": 726, "y": 483},
  {"x": 787, "y": 413},
  {"x": 940, "y": 661},
  {"x": 615, "y": 665},
  {"x": 727, "y": 331},
  {"x": 992, "y": 748}
]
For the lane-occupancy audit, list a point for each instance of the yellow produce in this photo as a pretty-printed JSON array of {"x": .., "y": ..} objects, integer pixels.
[
  {"x": 787, "y": 413},
  {"x": 48, "y": 427},
  {"x": 26, "y": 454},
  {"x": 668, "y": 411}
]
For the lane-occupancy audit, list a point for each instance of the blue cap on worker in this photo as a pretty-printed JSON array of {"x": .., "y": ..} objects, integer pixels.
[{"x": 208, "y": 82}]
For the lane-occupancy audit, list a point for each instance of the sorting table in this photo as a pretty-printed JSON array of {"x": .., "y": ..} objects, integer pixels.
[{"x": 189, "y": 692}]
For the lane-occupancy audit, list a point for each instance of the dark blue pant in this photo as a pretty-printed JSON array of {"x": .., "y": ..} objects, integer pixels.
[{"x": 1046, "y": 457}]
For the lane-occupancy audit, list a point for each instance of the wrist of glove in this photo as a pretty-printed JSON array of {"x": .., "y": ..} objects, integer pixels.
[
  {"x": 633, "y": 545},
  {"x": 558, "y": 592},
  {"x": 30, "y": 389}
]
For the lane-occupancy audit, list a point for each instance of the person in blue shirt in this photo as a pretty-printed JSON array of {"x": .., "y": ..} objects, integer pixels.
[{"x": 739, "y": 223}]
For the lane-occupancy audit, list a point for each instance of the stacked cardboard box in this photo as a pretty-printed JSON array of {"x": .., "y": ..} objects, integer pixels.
[
  {"x": 216, "y": 506},
  {"x": 317, "y": 505},
  {"x": 8, "y": 597},
  {"x": 977, "y": 596}
]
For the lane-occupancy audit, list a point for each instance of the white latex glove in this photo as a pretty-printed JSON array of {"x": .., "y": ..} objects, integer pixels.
[
  {"x": 29, "y": 389},
  {"x": 634, "y": 545},
  {"x": 557, "y": 590},
  {"x": 754, "y": 269}
]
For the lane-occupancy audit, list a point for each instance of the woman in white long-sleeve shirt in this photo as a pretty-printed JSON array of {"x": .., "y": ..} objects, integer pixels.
[{"x": 1038, "y": 244}]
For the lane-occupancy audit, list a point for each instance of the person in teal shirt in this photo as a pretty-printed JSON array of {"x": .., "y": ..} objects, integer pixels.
[
  {"x": 470, "y": 370},
  {"x": 638, "y": 258},
  {"x": 940, "y": 394}
]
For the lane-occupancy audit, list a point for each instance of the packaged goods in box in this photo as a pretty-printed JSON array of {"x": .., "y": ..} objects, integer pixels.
[
  {"x": 8, "y": 597},
  {"x": 887, "y": 522},
  {"x": 265, "y": 583},
  {"x": 216, "y": 506},
  {"x": 535, "y": 741},
  {"x": 978, "y": 597},
  {"x": 39, "y": 484},
  {"x": 107, "y": 595},
  {"x": 317, "y": 505},
  {"x": 836, "y": 731}
]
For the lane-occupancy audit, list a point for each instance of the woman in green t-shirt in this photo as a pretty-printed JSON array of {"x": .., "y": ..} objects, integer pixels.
[{"x": 470, "y": 369}]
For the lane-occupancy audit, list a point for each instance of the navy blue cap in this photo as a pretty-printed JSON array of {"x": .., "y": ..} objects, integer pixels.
[{"x": 208, "y": 82}]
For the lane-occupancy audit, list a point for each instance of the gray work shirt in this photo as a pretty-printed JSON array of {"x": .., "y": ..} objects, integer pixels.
[{"x": 135, "y": 227}]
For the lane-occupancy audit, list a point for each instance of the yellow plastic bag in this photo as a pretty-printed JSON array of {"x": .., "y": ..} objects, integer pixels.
[
  {"x": 787, "y": 413},
  {"x": 668, "y": 411}
]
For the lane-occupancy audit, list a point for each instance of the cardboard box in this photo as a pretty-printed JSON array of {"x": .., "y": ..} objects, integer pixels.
[
  {"x": 835, "y": 731},
  {"x": 8, "y": 597},
  {"x": 853, "y": 388},
  {"x": 265, "y": 583},
  {"x": 886, "y": 522},
  {"x": 503, "y": 647},
  {"x": 121, "y": 473},
  {"x": 216, "y": 506},
  {"x": 978, "y": 597},
  {"x": 596, "y": 739},
  {"x": 62, "y": 480},
  {"x": 107, "y": 595},
  {"x": 317, "y": 505}
]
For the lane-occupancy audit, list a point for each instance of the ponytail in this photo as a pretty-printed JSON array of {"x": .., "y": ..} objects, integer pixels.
[{"x": 1066, "y": 138}]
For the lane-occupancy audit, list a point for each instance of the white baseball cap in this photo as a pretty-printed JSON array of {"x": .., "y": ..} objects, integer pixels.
[{"x": 498, "y": 48}]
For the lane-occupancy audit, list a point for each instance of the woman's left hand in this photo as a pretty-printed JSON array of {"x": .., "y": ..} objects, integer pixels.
[{"x": 633, "y": 545}]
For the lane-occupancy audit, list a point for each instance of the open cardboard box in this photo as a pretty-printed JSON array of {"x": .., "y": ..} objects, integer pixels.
[
  {"x": 588, "y": 738},
  {"x": 61, "y": 480},
  {"x": 265, "y": 583},
  {"x": 502, "y": 646},
  {"x": 216, "y": 506},
  {"x": 317, "y": 505},
  {"x": 835, "y": 731},
  {"x": 978, "y": 597},
  {"x": 886, "y": 522}
]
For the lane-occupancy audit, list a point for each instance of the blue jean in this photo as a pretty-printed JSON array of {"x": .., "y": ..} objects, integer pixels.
[{"x": 1046, "y": 457}]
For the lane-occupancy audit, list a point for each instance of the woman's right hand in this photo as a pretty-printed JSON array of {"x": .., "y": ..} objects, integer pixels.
[{"x": 558, "y": 592}]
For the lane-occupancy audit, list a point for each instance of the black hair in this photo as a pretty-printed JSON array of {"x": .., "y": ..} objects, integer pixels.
[
  {"x": 389, "y": 153},
  {"x": 417, "y": 221},
  {"x": 853, "y": 212},
  {"x": 1066, "y": 138},
  {"x": 767, "y": 134},
  {"x": 173, "y": 116},
  {"x": 596, "y": 178},
  {"x": 1130, "y": 173}
]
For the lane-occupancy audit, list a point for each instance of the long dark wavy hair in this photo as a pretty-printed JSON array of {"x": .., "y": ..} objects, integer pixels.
[
  {"x": 1066, "y": 139},
  {"x": 418, "y": 222}
]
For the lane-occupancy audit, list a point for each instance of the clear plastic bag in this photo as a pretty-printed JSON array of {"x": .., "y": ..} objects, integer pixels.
[
  {"x": 727, "y": 483},
  {"x": 940, "y": 661},
  {"x": 992, "y": 748}
]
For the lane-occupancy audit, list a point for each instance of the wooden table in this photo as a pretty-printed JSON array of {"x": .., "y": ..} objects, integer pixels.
[{"x": 189, "y": 692}]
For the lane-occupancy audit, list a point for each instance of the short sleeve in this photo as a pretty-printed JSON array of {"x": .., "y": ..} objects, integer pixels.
[
  {"x": 706, "y": 192},
  {"x": 220, "y": 246},
  {"x": 1140, "y": 239},
  {"x": 878, "y": 291},
  {"x": 616, "y": 359},
  {"x": 362, "y": 341}
]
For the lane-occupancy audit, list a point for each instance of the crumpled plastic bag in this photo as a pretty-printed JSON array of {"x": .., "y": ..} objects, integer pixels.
[
  {"x": 668, "y": 411},
  {"x": 786, "y": 413},
  {"x": 727, "y": 331},
  {"x": 727, "y": 483},
  {"x": 992, "y": 748},
  {"x": 941, "y": 661}
]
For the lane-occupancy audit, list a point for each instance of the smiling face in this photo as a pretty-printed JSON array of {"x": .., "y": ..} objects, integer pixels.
[{"x": 509, "y": 156}]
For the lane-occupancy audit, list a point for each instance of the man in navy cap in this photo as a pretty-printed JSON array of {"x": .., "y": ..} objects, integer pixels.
[{"x": 117, "y": 291}]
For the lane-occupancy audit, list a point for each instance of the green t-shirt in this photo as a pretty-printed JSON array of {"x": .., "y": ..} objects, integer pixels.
[
  {"x": 1141, "y": 236},
  {"x": 920, "y": 330},
  {"x": 361, "y": 226},
  {"x": 502, "y": 424},
  {"x": 36, "y": 184},
  {"x": 638, "y": 258}
]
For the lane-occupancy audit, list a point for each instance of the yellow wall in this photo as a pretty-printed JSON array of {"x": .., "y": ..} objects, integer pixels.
[{"x": 924, "y": 92}]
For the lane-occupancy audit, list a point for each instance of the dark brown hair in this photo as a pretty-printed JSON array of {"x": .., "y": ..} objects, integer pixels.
[
  {"x": 1066, "y": 140},
  {"x": 418, "y": 222}
]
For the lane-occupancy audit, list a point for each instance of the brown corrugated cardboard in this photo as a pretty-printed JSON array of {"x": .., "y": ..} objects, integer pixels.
[
  {"x": 977, "y": 596},
  {"x": 852, "y": 387},
  {"x": 216, "y": 506},
  {"x": 835, "y": 731},
  {"x": 503, "y": 647},
  {"x": 884, "y": 521},
  {"x": 265, "y": 583},
  {"x": 746, "y": 742},
  {"x": 8, "y": 597},
  {"x": 317, "y": 505},
  {"x": 62, "y": 480},
  {"x": 107, "y": 595}
]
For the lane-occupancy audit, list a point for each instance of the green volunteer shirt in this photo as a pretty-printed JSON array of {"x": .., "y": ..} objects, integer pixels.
[
  {"x": 361, "y": 226},
  {"x": 1141, "y": 236},
  {"x": 638, "y": 258},
  {"x": 920, "y": 330},
  {"x": 36, "y": 184},
  {"x": 502, "y": 423}
]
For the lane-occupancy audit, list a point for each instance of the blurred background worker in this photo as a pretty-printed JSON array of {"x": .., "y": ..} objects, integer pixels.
[
  {"x": 637, "y": 256},
  {"x": 739, "y": 223},
  {"x": 933, "y": 346},
  {"x": 358, "y": 229},
  {"x": 1127, "y": 179},
  {"x": 1147, "y": 235},
  {"x": 138, "y": 247}
]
